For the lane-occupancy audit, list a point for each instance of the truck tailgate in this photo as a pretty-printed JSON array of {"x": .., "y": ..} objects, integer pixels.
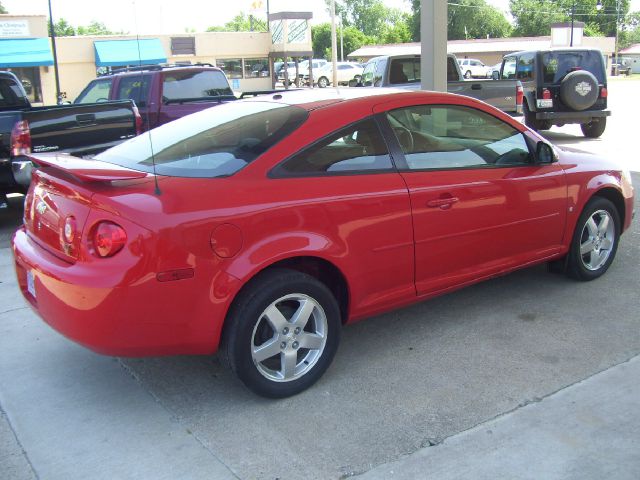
[{"x": 81, "y": 129}]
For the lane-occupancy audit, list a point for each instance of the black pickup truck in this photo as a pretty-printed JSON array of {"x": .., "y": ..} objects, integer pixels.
[{"x": 80, "y": 130}]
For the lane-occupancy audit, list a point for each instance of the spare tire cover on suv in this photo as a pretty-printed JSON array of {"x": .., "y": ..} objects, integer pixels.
[{"x": 579, "y": 90}]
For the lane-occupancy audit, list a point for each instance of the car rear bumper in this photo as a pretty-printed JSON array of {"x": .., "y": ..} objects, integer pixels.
[
  {"x": 129, "y": 313},
  {"x": 573, "y": 117}
]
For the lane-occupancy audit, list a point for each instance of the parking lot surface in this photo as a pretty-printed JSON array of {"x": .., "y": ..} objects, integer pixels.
[{"x": 400, "y": 383}]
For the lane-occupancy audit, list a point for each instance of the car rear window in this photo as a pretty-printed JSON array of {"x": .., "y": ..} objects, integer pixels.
[
  {"x": 194, "y": 85},
  {"x": 556, "y": 65},
  {"x": 216, "y": 142}
]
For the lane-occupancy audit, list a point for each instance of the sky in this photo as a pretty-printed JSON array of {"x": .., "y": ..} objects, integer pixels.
[{"x": 175, "y": 16}]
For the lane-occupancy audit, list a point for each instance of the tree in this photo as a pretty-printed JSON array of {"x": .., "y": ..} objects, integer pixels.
[
  {"x": 466, "y": 19},
  {"x": 352, "y": 39},
  {"x": 534, "y": 17},
  {"x": 240, "y": 23},
  {"x": 62, "y": 28},
  {"x": 2, "y": 9},
  {"x": 96, "y": 28}
]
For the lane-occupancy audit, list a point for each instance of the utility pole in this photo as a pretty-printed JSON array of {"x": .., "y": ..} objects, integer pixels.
[
  {"x": 55, "y": 54},
  {"x": 334, "y": 44}
]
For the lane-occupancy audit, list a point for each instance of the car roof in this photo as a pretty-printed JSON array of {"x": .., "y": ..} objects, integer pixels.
[
  {"x": 556, "y": 49},
  {"x": 313, "y": 99}
]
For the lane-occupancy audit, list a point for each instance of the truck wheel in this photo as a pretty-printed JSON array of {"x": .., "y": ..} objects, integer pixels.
[
  {"x": 282, "y": 333},
  {"x": 595, "y": 240},
  {"x": 323, "y": 82},
  {"x": 467, "y": 74},
  {"x": 594, "y": 128}
]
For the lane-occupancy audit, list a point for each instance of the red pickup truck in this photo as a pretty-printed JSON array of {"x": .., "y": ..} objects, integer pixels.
[{"x": 162, "y": 93}]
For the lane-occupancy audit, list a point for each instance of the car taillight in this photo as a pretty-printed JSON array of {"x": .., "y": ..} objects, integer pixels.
[
  {"x": 21, "y": 139},
  {"x": 70, "y": 228},
  {"x": 603, "y": 92},
  {"x": 546, "y": 94},
  {"x": 519, "y": 94},
  {"x": 138, "y": 120},
  {"x": 107, "y": 239}
]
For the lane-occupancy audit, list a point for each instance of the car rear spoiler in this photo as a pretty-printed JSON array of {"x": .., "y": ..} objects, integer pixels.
[{"x": 86, "y": 170}]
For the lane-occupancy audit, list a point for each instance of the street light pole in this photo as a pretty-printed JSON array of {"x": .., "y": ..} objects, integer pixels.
[
  {"x": 55, "y": 54},
  {"x": 573, "y": 14}
]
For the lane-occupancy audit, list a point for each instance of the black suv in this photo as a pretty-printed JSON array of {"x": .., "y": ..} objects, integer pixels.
[{"x": 561, "y": 86}]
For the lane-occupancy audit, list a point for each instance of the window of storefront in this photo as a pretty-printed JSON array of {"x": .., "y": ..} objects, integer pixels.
[
  {"x": 30, "y": 78},
  {"x": 256, "y": 67},
  {"x": 232, "y": 67}
]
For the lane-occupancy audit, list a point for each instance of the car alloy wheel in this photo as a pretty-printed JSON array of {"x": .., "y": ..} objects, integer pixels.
[
  {"x": 595, "y": 240},
  {"x": 323, "y": 82},
  {"x": 282, "y": 333}
]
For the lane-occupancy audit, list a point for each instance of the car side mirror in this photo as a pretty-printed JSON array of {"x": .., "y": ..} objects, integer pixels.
[
  {"x": 495, "y": 75},
  {"x": 544, "y": 153}
]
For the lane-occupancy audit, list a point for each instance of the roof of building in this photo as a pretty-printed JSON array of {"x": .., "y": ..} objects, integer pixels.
[
  {"x": 490, "y": 45},
  {"x": 632, "y": 50}
]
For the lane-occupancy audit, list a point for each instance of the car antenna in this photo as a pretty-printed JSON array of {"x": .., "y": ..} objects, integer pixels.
[{"x": 153, "y": 156}]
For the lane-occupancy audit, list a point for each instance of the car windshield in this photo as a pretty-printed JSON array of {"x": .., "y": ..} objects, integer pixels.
[
  {"x": 216, "y": 142},
  {"x": 557, "y": 65}
]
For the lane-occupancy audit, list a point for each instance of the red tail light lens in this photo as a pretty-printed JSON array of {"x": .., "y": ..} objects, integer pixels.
[
  {"x": 108, "y": 239},
  {"x": 546, "y": 94},
  {"x": 603, "y": 92},
  {"x": 21, "y": 139},
  {"x": 519, "y": 95},
  {"x": 138, "y": 119}
]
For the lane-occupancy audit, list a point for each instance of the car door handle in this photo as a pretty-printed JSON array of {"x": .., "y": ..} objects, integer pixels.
[
  {"x": 442, "y": 203},
  {"x": 476, "y": 86}
]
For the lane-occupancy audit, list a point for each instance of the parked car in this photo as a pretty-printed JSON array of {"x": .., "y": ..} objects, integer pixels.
[
  {"x": 403, "y": 71},
  {"x": 162, "y": 92},
  {"x": 346, "y": 71},
  {"x": 474, "y": 68},
  {"x": 620, "y": 66},
  {"x": 77, "y": 129},
  {"x": 303, "y": 69},
  {"x": 494, "y": 70},
  {"x": 260, "y": 227},
  {"x": 561, "y": 86}
]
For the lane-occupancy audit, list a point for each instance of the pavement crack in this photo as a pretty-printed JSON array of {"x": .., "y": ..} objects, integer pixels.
[
  {"x": 174, "y": 416},
  {"x": 4, "y": 415},
  {"x": 14, "y": 310}
]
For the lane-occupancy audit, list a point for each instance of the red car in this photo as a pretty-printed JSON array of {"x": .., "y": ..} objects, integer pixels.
[{"x": 258, "y": 228}]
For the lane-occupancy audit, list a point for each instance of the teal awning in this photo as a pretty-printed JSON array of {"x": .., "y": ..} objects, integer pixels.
[
  {"x": 25, "y": 52},
  {"x": 116, "y": 53}
]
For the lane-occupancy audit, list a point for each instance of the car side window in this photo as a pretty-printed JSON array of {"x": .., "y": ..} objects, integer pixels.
[
  {"x": 525, "y": 70},
  {"x": 444, "y": 137},
  {"x": 357, "y": 148},
  {"x": 96, "y": 91},
  {"x": 367, "y": 74},
  {"x": 509, "y": 68},
  {"x": 134, "y": 87}
]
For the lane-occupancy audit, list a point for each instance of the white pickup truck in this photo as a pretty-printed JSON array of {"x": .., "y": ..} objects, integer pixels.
[{"x": 403, "y": 71}]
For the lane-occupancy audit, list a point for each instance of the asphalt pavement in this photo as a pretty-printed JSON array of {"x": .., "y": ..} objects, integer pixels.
[{"x": 531, "y": 375}]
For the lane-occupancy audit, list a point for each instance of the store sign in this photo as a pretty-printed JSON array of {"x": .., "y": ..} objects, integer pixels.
[{"x": 14, "y": 28}]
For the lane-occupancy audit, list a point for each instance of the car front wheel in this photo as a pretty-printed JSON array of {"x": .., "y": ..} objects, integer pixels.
[
  {"x": 282, "y": 333},
  {"x": 595, "y": 240},
  {"x": 467, "y": 74},
  {"x": 323, "y": 82}
]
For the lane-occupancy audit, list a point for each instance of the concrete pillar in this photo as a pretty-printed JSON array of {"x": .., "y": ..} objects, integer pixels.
[{"x": 433, "y": 36}]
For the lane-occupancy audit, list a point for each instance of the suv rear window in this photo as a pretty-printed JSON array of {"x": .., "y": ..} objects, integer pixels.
[
  {"x": 193, "y": 85},
  {"x": 556, "y": 65},
  {"x": 216, "y": 142}
]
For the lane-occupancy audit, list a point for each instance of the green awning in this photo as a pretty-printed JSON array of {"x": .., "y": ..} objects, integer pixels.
[
  {"x": 116, "y": 53},
  {"x": 25, "y": 52}
]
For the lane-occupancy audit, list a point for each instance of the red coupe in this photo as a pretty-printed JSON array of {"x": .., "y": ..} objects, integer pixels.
[{"x": 258, "y": 228}]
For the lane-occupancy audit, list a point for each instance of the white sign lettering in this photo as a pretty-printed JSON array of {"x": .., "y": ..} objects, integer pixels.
[{"x": 14, "y": 28}]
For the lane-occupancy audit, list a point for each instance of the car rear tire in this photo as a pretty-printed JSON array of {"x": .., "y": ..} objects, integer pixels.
[
  {"x": 323, "y": 82},
  {"x": 595, "y": 128},
  {"x": 281, "y": 333},
  {"x": 595, "y": 240}
]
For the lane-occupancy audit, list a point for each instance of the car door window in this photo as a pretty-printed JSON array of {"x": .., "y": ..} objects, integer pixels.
[
  {"x": 509, "y": 68},
  {"x": 357, "y": 148},
  {"x": 444, "y": 137},
  {"x": 96, "y": 91},
  {"x": 525, "y": 70},
  {"x": 134, "y": 87}
]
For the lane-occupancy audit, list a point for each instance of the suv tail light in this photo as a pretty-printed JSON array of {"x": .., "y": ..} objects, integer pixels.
[
  {"x": 138, "y": 120},
  {"x": 21, "y": 139},
  {"x": 603, "y": 92},
  {"x": 107, "y": 239},
  {"x": 519, "y": 95}
]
